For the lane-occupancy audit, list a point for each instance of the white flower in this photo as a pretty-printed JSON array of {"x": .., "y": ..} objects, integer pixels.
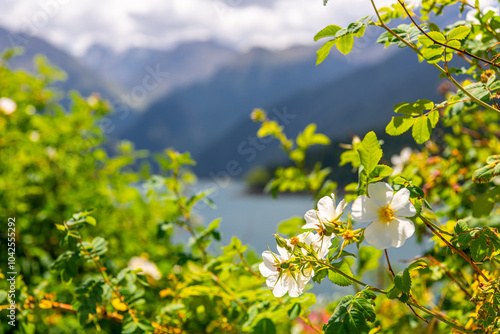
[
  {"x": 282, "y": 280},
  {"x": 319, "y": 243},
  {"x": 7, "y": 105},
  {"x": 146, "y": 266},
  {"x": 35, "y": 136},
  {"x": 283, "y": 276},
  {"x": 326, "y": 213},
  {"x": 398, "y": 161},
  {"x": 386, "y": 211}
]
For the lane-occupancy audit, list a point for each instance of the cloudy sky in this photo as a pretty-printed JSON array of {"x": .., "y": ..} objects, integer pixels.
[{"x": 74, "y": 25}]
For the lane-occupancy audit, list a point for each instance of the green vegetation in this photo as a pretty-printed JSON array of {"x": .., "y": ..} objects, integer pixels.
[{"x": 92, "y": 244}]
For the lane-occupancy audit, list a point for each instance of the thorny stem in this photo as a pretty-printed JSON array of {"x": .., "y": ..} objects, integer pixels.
[
  {"x": 459, "y": 252},
  {"x": 228, "y": 291},
  {"x": 247, "y": 267},
  {"x": 443, "y": 44},
  {"x": 414, "y": 303},
  {"x": 186, "y": 214},
  {"x": 393, "y": 275},
  {"x": 430, "y": 257},
  {"x": 102, "y": 270},
  {"x": 325, "y": 263},
  {"x": 466, "y": 92},
  {"x": 115, "y": 317},
  {"x": 443, "y": 71},
  {"x": 440, "y": 317}
]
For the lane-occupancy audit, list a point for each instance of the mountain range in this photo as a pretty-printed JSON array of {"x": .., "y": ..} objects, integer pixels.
[{"x": 198, "y": 96}]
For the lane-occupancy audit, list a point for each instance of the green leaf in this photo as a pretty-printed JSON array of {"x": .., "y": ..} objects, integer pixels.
[
  {"x": 291, "y": 227},
  {"x": 433, "y": 117},
  {"x": 351, "y": 316},
  {"x": 129, "y": 328},
  {"x": 479, "y": 248},
  {"x": 493, "y": 159},
  {"x": 265, "y": 326},
  {"x": 145, "y": 326},
  {"x": 294, "y": 312},
  {"x": 478, "y": 91},
  {"x": 414, "y": 109},
  {"x": 308, "y": 137},
  {"x": 345, "y": 43},
  {"x": 435, "y": 35},
  {"x": 379, "y": 172},
  {"x": 90, "y": 220},
  {"x": 328, "y": 31},
  {"x": 484, "y": 205},
  {"x": 484, "y": 174},
  {"x": 419, "y": 264},
  {"x": 433, "y": 53},
  {"x": 403, "y": 281},
  {"x": 399, "y": 125},
  {"x": 370, "y": 152},
  {"x": 393, "y": 293},
  {"x": 324, "y": 51},
  {"x": 461, "y": 226},
  {"x": 337, "y": 278},
  {"x": 460, "y": 32},
  {"x": 422, "y": 129}
]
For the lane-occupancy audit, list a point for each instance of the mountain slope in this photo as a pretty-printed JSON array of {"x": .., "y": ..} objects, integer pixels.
[
  {"x": 186, "y": 64},
  {"x": 356, "y": 103},
  {"x": 79, "y": 78},
  {"x": 193, "y": 117}
]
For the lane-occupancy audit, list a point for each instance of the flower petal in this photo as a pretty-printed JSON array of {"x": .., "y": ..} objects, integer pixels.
[
  {"x": 267, "y": 267},
  {"x": 401, "y": 229},
  {"x": 340, "y": 208},
  {"x": 312, "y": 220},
  {"x": 381, "y": 193},
  {"x": 281, "y": 287},
  {"x": 326, "y": 208},
  {"x": 364, "y": 210},
  {"x": 402, "y": 205},
  {"x": 379, "y": 235},
  {"x": 321, "y": 245},
  {"x": 284, "y": 255},
  {"x": 293, "y": 285},
  {"x": 271, "y": 281}
]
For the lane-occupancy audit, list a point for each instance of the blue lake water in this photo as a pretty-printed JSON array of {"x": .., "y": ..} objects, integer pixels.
[{"x": 254, "y": 218}]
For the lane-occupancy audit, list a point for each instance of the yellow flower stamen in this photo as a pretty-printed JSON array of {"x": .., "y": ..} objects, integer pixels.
[
  {"x": 294, "y": 241},
  {"x": 386, "y": 214},
  {"x": 348, "y": 235}
]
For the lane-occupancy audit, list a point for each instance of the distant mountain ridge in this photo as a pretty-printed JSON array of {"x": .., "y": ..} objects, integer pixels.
[
  {"x": 203, "y": 105},
  {"x": 187, "y": 64},
  {"x": 193, "y": 117},
  {"x": 359, "y": 101},
  {"x": 79, "y": 78}
]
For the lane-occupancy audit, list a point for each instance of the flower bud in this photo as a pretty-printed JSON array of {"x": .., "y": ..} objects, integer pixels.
[{"x": 280, "y": 241}]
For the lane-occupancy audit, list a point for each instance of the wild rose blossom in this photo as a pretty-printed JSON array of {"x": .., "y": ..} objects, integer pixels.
[
  {"x": 325, "y": 214},
  {"x": 399, "y": 161},
  {"x": 283, "y": 276},
  {"x": 7, "y": 105},
  {"x": 386, "y": 211},
  {"x": 146, "y": 266}
]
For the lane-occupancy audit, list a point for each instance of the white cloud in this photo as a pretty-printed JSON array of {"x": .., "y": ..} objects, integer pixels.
[{"x": 74, "y": 25}]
